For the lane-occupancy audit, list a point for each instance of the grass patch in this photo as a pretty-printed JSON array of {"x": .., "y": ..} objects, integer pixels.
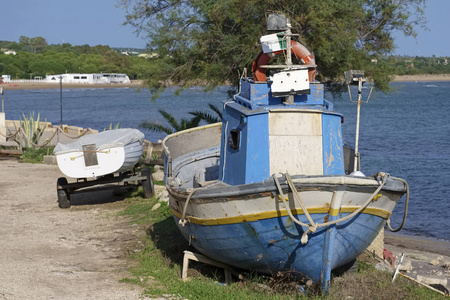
[
  {"x": 35, "y": 156},
  {"x": 158, "y": 270}
]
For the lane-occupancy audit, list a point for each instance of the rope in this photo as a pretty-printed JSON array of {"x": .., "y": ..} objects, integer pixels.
[
  {"x": 304, "y": 238},
  {"x": 405, "y": 211},
  {"x": 74, "y": 137},
  {"x": 183, "y": 221},
  {"x": 89, "y": 152},
  {"x": 10, "y": 136},
  {"x": 48, "y": 140},
  {"x": 312, "y": 227}
]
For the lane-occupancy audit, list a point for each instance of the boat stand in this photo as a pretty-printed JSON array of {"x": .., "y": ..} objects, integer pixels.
[
  {"x": 188, "y": 255},
  {"x": 122, "y": 181}
]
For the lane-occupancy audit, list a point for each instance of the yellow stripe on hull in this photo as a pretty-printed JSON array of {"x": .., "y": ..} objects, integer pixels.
[{"x": 273, "y": 214}]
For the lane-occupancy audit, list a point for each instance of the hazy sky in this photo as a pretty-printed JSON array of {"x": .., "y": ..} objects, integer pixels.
[{"x": 97, "y": 22}]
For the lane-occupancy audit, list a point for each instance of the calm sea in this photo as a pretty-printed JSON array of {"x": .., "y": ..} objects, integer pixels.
[{"x": 406, "y": 134}]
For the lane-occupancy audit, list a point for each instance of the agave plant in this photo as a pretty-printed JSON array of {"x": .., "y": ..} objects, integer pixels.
[
  {"x": 111, "y": 127},
  {"x": 32, "y": 130}
]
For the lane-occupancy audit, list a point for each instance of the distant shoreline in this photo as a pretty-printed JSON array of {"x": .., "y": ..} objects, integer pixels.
[
  {"x": 423, "y": 77},
  {"x": 139, "y": 83},
  {"x": 45, "y": 85}
]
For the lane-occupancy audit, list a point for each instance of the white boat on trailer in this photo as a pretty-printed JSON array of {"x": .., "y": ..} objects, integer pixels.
[{"x": 100, "y": 156}]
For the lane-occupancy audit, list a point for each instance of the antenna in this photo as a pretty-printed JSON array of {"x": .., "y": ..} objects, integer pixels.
[{"x": 356, "y": 77}]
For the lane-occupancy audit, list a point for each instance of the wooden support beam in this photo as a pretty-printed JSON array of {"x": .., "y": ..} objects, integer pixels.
[{"x": 188, "y": 255}]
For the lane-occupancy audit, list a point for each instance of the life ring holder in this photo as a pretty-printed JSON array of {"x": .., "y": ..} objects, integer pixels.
[{"x": 300, "y": 51}]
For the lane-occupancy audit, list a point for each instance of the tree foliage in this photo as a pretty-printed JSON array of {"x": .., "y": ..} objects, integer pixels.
[{"x": 207, "y": 41}]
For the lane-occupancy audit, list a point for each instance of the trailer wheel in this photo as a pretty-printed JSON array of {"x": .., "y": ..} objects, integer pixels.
[
  {"x": 147, "y": 185},
  {"x": 63, "y": 195}
]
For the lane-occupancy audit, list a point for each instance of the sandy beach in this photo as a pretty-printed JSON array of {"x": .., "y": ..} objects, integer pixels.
[
  {"x": 139, "y": 83},
  {"x": 424, "y": 77}
]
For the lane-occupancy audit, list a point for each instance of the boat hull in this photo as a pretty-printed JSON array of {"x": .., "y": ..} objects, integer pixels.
[
  {"x": 109, "y": 160},
  {"x": 249, "y": 227},
  {"x": 100, "y": 154},
  {"x": 273, "y": 245}
]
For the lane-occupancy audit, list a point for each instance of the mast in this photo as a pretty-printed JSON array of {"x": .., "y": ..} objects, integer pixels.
[{"x": 289, "y": 98}]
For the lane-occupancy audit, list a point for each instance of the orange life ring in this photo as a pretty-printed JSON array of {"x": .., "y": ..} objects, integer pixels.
[{"x": 300, "y": 51}]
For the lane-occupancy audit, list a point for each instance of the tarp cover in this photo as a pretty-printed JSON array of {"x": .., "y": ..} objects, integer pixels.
[{"x": 105, "y": 139}]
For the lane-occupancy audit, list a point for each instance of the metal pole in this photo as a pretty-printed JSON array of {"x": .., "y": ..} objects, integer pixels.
[
  {"x": 61, "y": 102},
  {"x": 356, "y": 166},
  {"x": 3, "y": 102},
  {"x": 61, "y": 107},
  {"x": 290, "y": 98}
]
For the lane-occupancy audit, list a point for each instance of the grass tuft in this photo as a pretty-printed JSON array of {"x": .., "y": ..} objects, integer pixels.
[{"x": 35, "y": 155}]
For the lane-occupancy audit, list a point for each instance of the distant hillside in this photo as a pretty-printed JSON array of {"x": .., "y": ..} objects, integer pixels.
[{"x": 33, "y": 57}]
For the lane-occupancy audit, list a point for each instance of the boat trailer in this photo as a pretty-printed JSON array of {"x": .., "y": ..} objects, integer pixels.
[{"x": 122, "y": 181}]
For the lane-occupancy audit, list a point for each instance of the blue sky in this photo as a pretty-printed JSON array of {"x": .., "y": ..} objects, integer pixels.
[{"x": 97, "y": 22}]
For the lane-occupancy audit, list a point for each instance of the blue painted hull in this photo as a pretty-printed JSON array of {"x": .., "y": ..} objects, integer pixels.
[{"x": 272, "y": 245}]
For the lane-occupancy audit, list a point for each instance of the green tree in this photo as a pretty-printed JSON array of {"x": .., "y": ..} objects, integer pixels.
[{"x": 202, "y": 41}]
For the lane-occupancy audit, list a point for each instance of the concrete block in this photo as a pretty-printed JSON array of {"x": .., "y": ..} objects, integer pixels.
[
  {"x": 406, "y": 266},
  {"x": 434, "y": 262},
  {"x": 432, "y": 279},
  {"x": 74, "y": 130},
  {"x": 158, "y": 175},
  {"x": 2, "y": 128},
  {"x": 50, "y": 160},
  {"x": 161, "y": 193},
  {"x": 377, "y": 245}
]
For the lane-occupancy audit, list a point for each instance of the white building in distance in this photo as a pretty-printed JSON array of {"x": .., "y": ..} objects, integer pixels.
[{"x": 98, "y": 78}]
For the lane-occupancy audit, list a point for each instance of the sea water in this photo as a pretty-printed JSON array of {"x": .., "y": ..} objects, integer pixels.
[{"x": 406, "y": 133}]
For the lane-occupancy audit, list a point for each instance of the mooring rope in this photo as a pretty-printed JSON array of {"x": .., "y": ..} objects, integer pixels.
[
  {"x": 312, "y": 227},
  {"x": 405, "y": 212},
  {"x": 183, "y": 221}
]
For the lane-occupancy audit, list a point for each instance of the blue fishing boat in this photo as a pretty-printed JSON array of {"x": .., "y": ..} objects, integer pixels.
[{"x": 273, "y": 188}]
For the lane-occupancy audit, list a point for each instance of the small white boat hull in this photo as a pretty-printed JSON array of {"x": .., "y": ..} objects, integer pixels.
[{"x": 95, "y": 157}]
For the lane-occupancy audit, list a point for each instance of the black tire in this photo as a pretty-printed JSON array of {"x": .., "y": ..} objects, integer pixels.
[
  {"x": 63, "y": 195},
  {"x": 147, "y": 185}
]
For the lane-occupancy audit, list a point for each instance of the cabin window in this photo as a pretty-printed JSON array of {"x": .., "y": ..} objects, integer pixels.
[
  {"x": 235, "y": 139},
  {"x": 83, "y": 77},
  {"x": 76, "y": 77}
]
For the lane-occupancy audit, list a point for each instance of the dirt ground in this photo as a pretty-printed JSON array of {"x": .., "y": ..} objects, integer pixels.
[{"x": 52, "y": 253}]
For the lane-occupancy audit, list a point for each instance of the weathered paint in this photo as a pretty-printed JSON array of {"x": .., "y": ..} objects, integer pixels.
[
  {"x": 295, "y": 141},
  {"x": 273, "y": 245},
  {"x": 333, "y": 150},
  {"x": 281, "y": 213},
  {"x": 329, "y": 240},
  {"x": 249, "y": 163}
]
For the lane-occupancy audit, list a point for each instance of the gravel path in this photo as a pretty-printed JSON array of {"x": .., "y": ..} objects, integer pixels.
[{"x": 52, "y": 253}]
